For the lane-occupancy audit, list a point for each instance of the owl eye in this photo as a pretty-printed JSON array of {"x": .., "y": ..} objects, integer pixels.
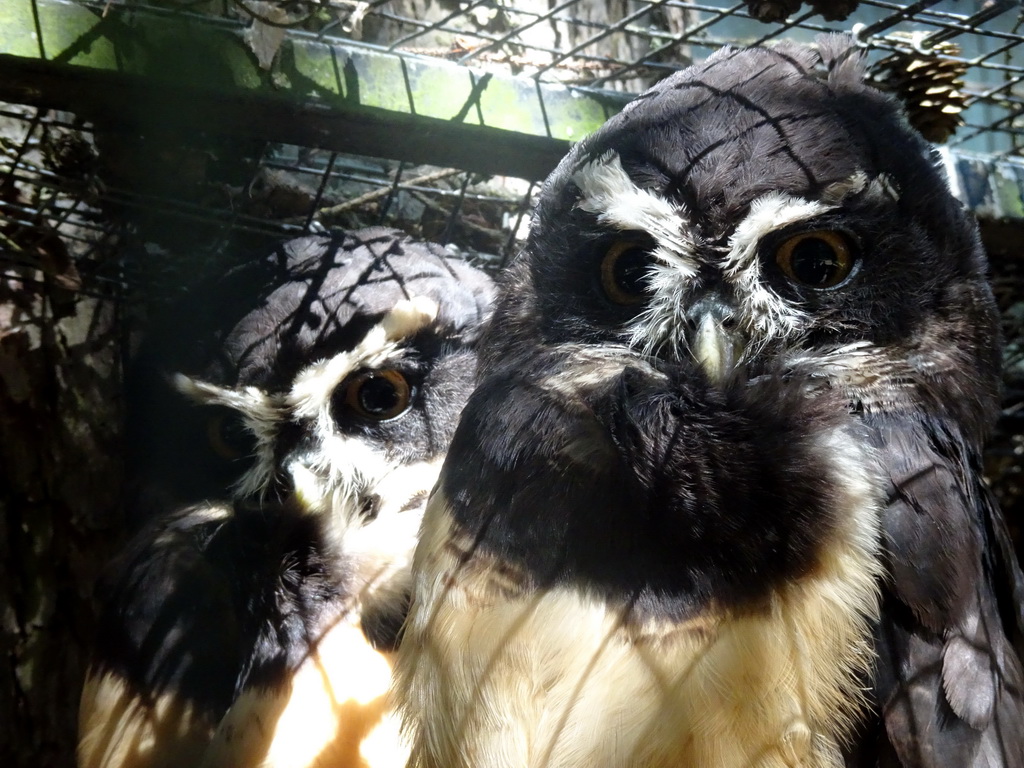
[
  {"x": 624, "y": 270},
  {"x": 228, "y": 435},
  {"x": 378, "y": 395},
  {"x": 819, "y": 259}
]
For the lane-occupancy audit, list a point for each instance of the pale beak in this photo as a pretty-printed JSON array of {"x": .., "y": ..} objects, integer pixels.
[
  {"x": 713, "y": 338},
  {"x": 309, "y": 490},
  {"x": 716, "y": 349}
]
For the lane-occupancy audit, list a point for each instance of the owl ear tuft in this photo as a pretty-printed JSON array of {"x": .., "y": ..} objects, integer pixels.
[{"x": 843, "y": 60}]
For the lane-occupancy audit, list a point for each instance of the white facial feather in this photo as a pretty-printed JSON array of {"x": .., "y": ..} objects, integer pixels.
[
  {"x": 607, "y": 190},
  {"x": 765, "y": 315},
  {"x": 261, "y": 412},
  {"x": 589, "y": 366},
  {"x": 660, "y": 327},
  {"x": 344, "y": 473},
  {"x": 880, "y": 188}
]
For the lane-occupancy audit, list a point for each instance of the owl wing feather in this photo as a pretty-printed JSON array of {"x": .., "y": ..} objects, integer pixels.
[
  {"x": 207, "y": 674},
  {"x": 949, "y": 678},
  {"x": 159, "y": 702}
]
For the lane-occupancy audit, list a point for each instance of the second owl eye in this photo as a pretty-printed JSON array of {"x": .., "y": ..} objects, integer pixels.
[
  {"x": 378, "y": 395},
  {"x": 228, "y": 435},
  {"x": 624, "y": 272},
  {"x": 818, "y": 259}
]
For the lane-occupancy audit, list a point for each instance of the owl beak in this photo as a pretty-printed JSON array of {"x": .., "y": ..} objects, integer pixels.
[
  {"x": 308, "y": 487},
  {"x": 713, "y": 338},
  {"x": 310, "y": 491}
]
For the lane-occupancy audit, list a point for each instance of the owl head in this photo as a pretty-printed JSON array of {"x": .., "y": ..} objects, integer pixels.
[
  {"x": 286, "y": 424},
  {"x": 762, "y": 204},
  {"x": 323, "y": 369}
]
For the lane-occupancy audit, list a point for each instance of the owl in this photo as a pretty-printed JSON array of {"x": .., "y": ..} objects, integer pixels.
[
  {"x": 286, "y": 424},
  {"x": 716, "y": 500}
]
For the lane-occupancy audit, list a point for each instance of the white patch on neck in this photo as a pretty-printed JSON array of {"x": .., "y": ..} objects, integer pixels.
[
  {"x": 866, "y": 374},
  {"x": 574, "y": 683},
  {"x": 345, "y": 472},
  {"x": 381, "y": 551}
]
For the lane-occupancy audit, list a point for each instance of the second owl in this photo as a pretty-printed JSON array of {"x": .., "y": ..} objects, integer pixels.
[{"x": 287, "y": 424}]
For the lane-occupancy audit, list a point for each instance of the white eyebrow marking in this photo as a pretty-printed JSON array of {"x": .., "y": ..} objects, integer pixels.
[
  {"x": 768, "y": 213},
  {"x": 311, "y": 392},
  {"x": 607, "y": 190},
  {"x": 776, "y": 210},
  {"x": 253, "y": 403},
  {"x": 261, "y": 411},
  {"x": 763, "y": 311}
]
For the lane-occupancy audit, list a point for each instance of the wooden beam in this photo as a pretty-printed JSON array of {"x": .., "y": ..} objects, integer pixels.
[
  {"x": 146, "y": 69},
  {"x": 141, "y": 68}
]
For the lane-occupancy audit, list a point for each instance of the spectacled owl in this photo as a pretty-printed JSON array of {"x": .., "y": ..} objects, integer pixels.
[
  {"x": 716, "y": 500},
  {"x": 286, "y": 425}
]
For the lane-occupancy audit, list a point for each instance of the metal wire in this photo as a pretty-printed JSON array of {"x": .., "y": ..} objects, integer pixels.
[
  {"x": 103, "y": 217},
  {"x": 77, "y": 215},
  {"x": 559, "y": 42}
]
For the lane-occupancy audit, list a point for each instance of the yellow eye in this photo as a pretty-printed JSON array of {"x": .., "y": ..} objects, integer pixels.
[
  {"x": 228, "y": 435},
  {"x": 378, "y": 395},
  {"x": 624, "y": 270},
  {"x": 818, "y": 259}
]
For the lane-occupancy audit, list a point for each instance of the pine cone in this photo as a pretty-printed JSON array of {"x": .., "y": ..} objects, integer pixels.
[
  {"x": 772, "y": 10},
  {"x": 929, "y": 85},
  {"x": 834, "y": 10},
  {"x": 778, "y": 10},
  {"x": 69, "y": 154}
]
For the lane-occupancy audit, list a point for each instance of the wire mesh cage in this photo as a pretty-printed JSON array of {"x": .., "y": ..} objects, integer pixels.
[
  {"x": 188, "y": 188},
  {"x": 147, "y": 144}
]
